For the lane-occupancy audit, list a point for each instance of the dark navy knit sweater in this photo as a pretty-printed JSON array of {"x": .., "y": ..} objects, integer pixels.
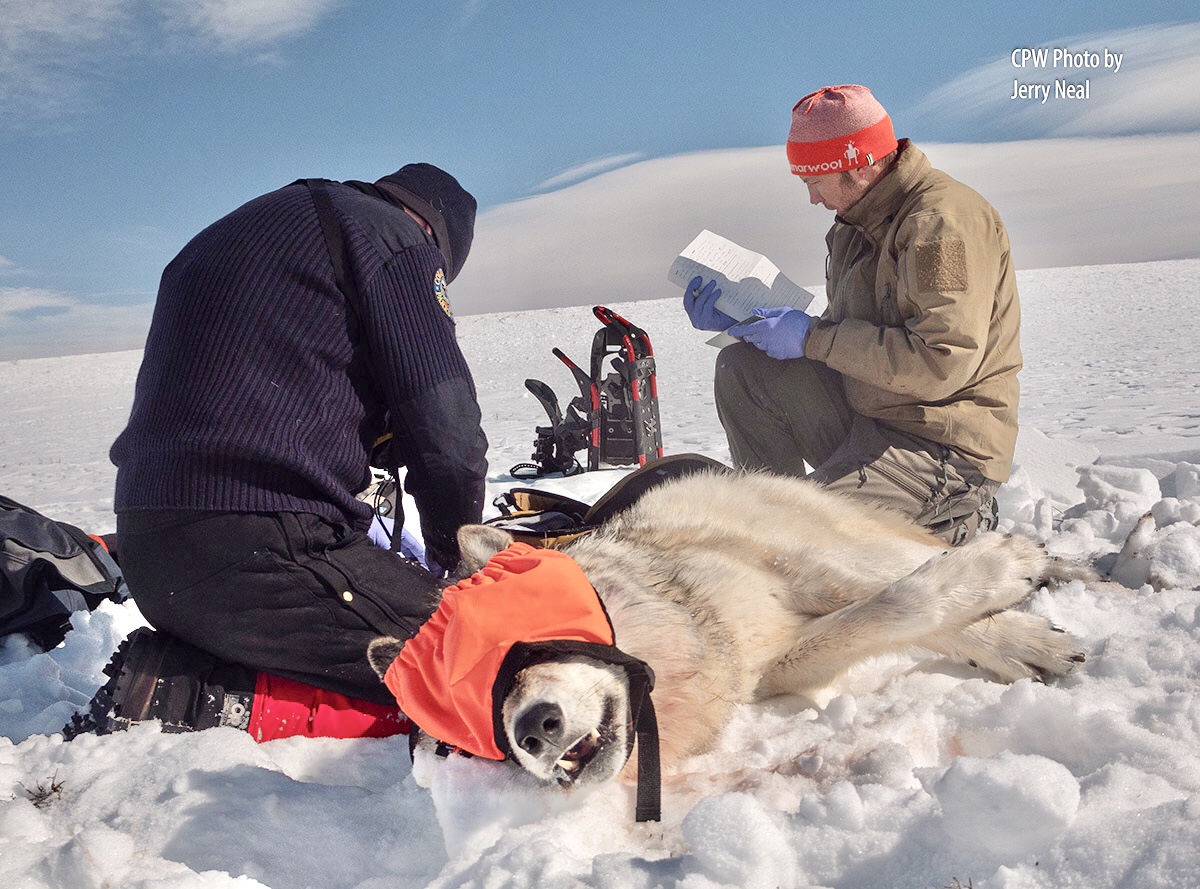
[{"x": 260, "y": 392}]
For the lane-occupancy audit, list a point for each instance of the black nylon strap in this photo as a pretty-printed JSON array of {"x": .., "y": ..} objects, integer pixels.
[
  {"x": 334, "y": 241},
  {"x": 336, "y": 246},
  {"x": 646, "y": 725}
]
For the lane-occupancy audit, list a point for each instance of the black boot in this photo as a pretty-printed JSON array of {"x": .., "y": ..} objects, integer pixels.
[{"x": 155, "y": 676}]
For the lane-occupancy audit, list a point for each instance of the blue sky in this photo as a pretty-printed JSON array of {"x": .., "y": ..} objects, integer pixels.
[{"x": 128, "y": 125}]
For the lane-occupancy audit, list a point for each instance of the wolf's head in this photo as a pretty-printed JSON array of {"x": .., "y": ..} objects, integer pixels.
[
  {"x": 519, "y": 661},
  {"x": 567, "y": 720}
]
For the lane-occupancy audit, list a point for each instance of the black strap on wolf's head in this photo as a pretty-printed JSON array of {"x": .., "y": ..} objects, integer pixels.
[{"x": 642, "y": 720}]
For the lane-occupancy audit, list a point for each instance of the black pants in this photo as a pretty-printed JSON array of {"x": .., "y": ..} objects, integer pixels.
[{"x": 288, "y": 593}]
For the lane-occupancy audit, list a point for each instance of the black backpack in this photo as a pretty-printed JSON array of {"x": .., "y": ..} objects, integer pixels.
[
  {"x": 48, "y": 570},
  {"x": 551, "y": 520}
]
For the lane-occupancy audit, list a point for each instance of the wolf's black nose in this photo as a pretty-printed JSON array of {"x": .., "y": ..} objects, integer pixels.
[{"x": 538, "y": 726}]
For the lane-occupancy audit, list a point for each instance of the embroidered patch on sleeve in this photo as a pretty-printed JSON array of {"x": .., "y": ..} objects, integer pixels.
[
  {"x": 942, "y": 265},
  {"x": 439, "y": 290}
]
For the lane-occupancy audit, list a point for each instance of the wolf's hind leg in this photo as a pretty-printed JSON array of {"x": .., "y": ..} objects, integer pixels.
[
  {"x": 954, "y": 589},
  {"x": 939, "y": 599}
]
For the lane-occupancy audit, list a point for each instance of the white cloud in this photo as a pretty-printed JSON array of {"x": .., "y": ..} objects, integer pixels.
[
  {"x": 52, "y": 51},
  {"x": 234, "y": 24},
  {"x": 469, "y": 12},
  {"x": 586, "y": 171},
  {"x": 1066, "y": 202},
  {"x": 25, "y": 24},
  {"x": 18, "y": 301},
  {"x": 44, "y": 47},
  {"x": 1155, "y": 90},
  {"x": 35, "y": 323}
]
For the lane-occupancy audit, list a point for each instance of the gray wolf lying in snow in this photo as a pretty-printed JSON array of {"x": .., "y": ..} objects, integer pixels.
[{"x": 735, "y": 587}]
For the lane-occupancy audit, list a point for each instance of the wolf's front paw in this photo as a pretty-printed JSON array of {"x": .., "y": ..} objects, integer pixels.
[{"x": 1008, "y": 565}]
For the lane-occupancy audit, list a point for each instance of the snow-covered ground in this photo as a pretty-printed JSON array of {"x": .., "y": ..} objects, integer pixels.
[{"x": 905, "y": 774}]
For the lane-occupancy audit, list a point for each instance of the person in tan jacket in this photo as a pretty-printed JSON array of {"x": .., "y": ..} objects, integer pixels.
[{"x": 905, "y": 388}]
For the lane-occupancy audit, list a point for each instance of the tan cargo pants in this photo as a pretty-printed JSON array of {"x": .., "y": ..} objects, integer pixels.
[{"x": 781, "y": 415}]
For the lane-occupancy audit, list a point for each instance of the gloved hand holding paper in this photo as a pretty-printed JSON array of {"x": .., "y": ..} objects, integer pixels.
[
  {"x": 747, "y": 280},
  {"x": 700, "y": 302},
  {"x": 778, "y": 331}
]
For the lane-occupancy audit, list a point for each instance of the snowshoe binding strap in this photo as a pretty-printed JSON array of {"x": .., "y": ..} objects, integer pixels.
[{"x": 555, "y": 445}]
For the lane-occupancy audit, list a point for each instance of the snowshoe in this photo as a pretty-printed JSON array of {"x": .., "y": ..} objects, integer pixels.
[{"x": 615, "y": 415}]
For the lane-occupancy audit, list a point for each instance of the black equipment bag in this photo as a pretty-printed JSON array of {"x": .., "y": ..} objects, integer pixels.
[
  {"x": 546, "y": 519},
  {"x": 49, "y": 569}
]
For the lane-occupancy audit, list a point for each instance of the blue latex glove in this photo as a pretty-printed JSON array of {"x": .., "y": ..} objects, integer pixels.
[
  {"x": 410, "y": 547},
  {"x": 779, "y": 332},
  {"x": 699, "y": 301},
  {"x": 381, "y": 531}
]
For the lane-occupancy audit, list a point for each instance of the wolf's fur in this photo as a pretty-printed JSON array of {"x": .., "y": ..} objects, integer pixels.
[{"x": 735, "y": 587}]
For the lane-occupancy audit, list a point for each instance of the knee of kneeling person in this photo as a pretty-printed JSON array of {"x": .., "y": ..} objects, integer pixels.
[{"x": 736, "y": 367}]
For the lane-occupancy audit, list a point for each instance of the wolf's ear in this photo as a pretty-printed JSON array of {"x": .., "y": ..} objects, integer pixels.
[
  {"x": 382, "y": 651},
  {"x": 478, "y": 543}
]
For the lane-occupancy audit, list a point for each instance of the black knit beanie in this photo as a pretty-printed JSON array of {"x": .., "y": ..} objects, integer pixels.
[{"x": 436, "y": 197}]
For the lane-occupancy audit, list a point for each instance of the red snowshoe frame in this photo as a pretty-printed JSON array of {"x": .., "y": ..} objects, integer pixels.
[
  {"x": 626, "y": 428},
  {"x": 616, "y": 414}
]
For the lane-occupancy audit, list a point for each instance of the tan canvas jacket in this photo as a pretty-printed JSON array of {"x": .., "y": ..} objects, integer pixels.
[{"x": 923, "y": 319}]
